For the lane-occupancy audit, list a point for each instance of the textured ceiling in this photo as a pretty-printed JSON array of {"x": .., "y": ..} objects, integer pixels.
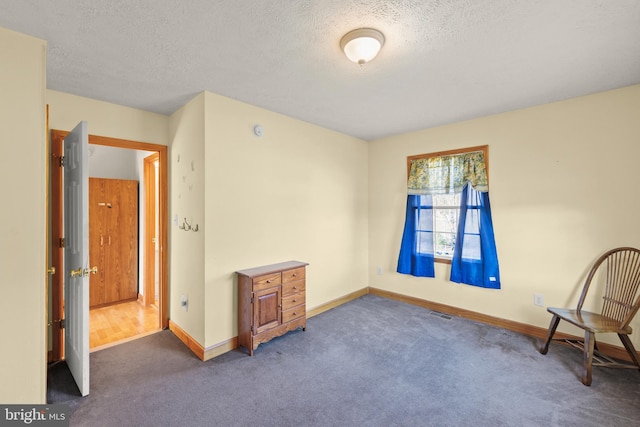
[{"x": 443, "y": 60}]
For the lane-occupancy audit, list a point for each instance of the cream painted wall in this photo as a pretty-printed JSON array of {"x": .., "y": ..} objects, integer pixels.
[
  {"x": 299, "y": 192},
  {"x": 106, "y": 119},
  {"x": 186, "y": 163},
  {"x": 563, "y": 184},
  {"x": 23, "y": 219}
]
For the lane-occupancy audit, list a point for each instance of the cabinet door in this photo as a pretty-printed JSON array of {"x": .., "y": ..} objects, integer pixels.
[
  {"x": 113, "y": 240},
  {"x": 266, "y": 309},
  {"x": 97, "y": 235},
  {"x": 122, "y": 256}
]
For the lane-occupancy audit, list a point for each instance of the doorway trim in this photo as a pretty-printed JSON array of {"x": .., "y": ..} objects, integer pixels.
[
  {"x": 150, "y": 237},
  {"x": 57, "y": 136}
]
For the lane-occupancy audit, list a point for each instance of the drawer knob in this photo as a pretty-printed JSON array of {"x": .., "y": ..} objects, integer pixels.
[
  {"x": 295, "y": 287},
  {"x": 295, "y": 300},
  {"x": 268, "y": 281},
  {"x": 295, "y": 274}
]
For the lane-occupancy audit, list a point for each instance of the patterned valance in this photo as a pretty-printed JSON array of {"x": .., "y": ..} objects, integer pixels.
[{"x": 448, "y": 174}]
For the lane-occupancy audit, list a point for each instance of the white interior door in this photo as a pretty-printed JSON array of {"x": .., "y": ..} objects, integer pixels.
[{"x": 76, "y": 254}]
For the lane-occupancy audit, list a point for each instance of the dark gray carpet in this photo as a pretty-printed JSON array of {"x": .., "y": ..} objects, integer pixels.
[{"x": 371, "y": 362}]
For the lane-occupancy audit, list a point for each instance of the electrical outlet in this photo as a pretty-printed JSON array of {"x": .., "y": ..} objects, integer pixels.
[
  {"x": 184, "y": 302},
  {"x": 379, "y": 271},
  {"x": 538, "y": 299}
]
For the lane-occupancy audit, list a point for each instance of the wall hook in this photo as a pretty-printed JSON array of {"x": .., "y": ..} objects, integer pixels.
[{"x": 187, "y": 227}]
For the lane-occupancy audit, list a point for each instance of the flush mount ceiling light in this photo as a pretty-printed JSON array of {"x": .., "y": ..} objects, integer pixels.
[{"x": 362, "y": 45}]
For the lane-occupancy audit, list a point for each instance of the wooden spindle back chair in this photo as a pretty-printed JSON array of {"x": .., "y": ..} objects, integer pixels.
[{"x": 620, "y": 268}]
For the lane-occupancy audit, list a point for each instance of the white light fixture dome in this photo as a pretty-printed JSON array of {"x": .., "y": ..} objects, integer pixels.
[{"x": 362, "y": 45}]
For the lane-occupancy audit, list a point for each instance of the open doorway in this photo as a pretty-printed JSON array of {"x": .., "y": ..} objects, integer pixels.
[{"x": 146, "y": 312}]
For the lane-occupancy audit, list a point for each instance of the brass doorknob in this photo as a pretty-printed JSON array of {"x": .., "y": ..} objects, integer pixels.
[
  {"x": 76, "y": 273},
  {"x": 88, "y": 271},
  {"x": 51, "y": 270}
]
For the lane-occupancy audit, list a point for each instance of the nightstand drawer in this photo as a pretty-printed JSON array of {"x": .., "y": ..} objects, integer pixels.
[
  {"x": 266, "y": 281},
  {"x": 293, "y": 288},
  {"x": 294, "y": 313},
  {"x": 292, "y": 301},
  {"x": 293, "y": 275}
]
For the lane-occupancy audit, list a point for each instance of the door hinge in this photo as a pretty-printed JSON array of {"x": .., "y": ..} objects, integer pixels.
[
  {"x": 60, "y": 321},
  {"x": 251, "y": 299},
  {"x": 62, "y": 242},
  {"x": 57, "y": 160}
]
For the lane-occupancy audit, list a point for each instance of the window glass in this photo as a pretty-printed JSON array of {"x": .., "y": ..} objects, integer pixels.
[
  {"x": 471, "y": 249},
  {"x": 446, "y": 210},
  {"x": 424, "y": 226}
]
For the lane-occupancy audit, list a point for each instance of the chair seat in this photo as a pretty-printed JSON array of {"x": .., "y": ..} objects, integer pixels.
[{"x": 590, "y": 321}]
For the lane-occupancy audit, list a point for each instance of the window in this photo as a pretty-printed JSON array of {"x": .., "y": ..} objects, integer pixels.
[
  {"x": 437, "y": 225},
  {"x": 448, "y": 218},
  {"x": 446, "y": 209}
]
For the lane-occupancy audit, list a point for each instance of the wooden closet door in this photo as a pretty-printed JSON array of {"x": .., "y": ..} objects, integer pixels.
[
  {"x": 122, "y": 255},
  {"x": 113, "y": 240},
  {"x": 97, "y": 233}
]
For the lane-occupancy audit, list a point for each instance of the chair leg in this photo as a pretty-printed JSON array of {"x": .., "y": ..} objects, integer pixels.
[
  {"x": 552, "y": 330},
  {"x": 630, "y": 349},
  {"x": 589, "y": 341}
]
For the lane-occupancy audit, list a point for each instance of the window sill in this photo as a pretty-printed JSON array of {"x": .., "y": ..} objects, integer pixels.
[{"x": 442, "y": 260}]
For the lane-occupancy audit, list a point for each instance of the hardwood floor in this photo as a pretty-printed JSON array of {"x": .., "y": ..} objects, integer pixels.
[{"x": 119, "y": 323}]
